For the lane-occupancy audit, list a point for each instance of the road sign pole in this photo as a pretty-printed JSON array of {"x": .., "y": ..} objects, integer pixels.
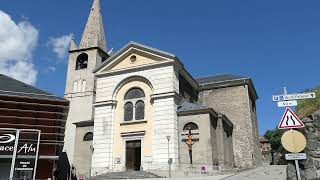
[
  {"x": 285, "y": 92},
  {"x": 298, "y": 169},
  {"x": 288, "y": 137}
]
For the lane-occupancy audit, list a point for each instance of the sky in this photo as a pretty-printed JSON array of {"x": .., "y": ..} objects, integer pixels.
[{"x": 276, "y": 43}]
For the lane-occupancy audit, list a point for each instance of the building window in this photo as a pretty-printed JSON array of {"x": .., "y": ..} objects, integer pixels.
[
  {"x": 83, "y": 87},
  {"x": 190, "y": 126},
  {"x": 133, "y": 59},
  {"x": 79, "y": 86},
  {"x": 88, "y": 136},
  {"x": 139, "y": 114},
  {"x": 134, "y": 106},
  {"x": 75, "y": 86},
  {"x": 82, "y": 61},
  {"x": 128, "y": 111}
]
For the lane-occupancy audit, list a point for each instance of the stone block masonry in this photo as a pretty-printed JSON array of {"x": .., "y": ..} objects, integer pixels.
[{"x": 234, "y": 103}]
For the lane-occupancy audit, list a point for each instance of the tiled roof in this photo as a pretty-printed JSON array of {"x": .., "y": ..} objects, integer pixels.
[
  {"x": 188, "y": 106},
  {"x": 218, "y": 78},
  {"x": 13, "y": 87}
]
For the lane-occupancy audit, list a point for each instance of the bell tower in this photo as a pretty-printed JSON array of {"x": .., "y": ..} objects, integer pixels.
[{"x": 80, "y": 81}]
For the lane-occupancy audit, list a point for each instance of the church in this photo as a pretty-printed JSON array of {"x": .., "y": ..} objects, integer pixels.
[{"x": 139, "y": 109}]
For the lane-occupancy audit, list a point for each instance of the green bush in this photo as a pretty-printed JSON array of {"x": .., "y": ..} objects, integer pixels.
[{"x": 308, "y": 106}]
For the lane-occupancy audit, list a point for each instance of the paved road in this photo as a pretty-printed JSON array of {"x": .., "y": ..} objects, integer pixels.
[
  {"x": 218, "y": 177},
  {"x": 261, "y": 173}
]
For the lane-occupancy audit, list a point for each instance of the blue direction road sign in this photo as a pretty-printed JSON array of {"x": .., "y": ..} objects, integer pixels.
[{"x": 288, "y": 97}]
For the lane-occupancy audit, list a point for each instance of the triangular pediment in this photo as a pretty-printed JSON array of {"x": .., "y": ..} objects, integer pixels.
[{"x": 132, "y": 56}]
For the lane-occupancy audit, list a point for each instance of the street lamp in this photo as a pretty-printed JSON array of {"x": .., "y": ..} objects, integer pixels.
[
  {"x": 91, "y": 152},
  {"x": 169, "y": 159}
]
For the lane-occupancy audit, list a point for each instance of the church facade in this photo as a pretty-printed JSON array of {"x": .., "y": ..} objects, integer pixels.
[{"x": 137, "y": 108}]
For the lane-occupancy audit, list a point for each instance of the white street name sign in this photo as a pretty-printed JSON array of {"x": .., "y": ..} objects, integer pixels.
[
  {"x": 293, "y": 96},
  {"x": 287, "y": 103},
  {"x": 296, "y": 156}
]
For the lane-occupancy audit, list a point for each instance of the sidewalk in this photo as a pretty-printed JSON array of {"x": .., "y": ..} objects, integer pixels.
[{"x": 274, "y": 172}]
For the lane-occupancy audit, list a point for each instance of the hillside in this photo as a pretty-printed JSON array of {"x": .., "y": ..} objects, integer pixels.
[{"x": 307, "y": 106}]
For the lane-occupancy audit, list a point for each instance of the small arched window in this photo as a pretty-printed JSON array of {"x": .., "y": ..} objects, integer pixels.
[
  {"x": 82, "y": 61},
  {"x": 190, "y": 126},
  {"x": 139, "y": 114},
  {"x": 88, "y": 136},
  {"x": 134, "y": 106},
  {"x": 75, "y": 86},
  {"x": 128, "y": 111},
  {"x": 83, "y": 87},
  {"x": 79, "y": 86}
]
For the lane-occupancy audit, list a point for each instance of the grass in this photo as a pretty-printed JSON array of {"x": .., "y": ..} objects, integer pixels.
[{"x": 308, "y": 106}]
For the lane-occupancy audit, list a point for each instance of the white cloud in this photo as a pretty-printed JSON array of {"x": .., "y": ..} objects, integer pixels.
[
  {"x": 60, "y": 45},
  {"x": 52, "y": 68},
  {"x": 17, "y": 41},
  {"x": 20, "y": 70}
]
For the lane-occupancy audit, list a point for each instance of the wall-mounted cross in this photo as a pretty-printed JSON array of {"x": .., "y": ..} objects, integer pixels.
[{"x": 190, "y": 142}]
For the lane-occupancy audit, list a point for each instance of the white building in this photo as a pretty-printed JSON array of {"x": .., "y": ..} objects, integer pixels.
[{"x": 124, "y": 105}]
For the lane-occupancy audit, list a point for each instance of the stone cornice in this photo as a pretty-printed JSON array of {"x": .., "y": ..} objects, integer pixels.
[
  {"x": 84, "y": 123},
  {"x": 134, "y": 69},
  {"x": 166, "y": 95},
  {"x": 79, "y": 94},
  {"x": 135, "y": 133},
  {"x": 198, "y": 111},
  {"x": 89, "y": 48},
  {"x": 105, "y": 103},
  {"x": 231, "y": 83}
]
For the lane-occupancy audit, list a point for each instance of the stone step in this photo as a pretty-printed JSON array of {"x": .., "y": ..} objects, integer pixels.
[{"x": 126, "y": 175}]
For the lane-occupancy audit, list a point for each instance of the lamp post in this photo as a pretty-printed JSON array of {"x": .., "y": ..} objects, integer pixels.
[
  {"x": 91, "y": 152},
  {"x": 169, "y": 159}
]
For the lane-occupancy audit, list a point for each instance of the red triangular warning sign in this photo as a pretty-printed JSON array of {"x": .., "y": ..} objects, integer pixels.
[{"x": 290, "y": 120}]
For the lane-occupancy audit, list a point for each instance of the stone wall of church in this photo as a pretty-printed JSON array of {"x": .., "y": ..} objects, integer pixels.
[
  {"x": 234, "y": 102},
  {"x": 80, "y": 95},
  {"x": 143, "y": 126},
  {"x": 204, "y": 149},
  {"x": 83, "y": 153},
  {"x": 213, "y": 150},
  {"x": 102, "y": 139},
  {"x": 164, "y": 81},
  {"x": 80, "y": 110},
  {"x": 81, "y": 74}
]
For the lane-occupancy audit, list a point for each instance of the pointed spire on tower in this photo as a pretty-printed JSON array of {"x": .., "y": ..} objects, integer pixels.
[
  {"x": 93, "y": 35},
  {"x": 73, "y": 45}
]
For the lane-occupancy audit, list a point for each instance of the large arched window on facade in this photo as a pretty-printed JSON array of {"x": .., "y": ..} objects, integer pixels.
[
  {"x": 82, "y": 61},
  {"x": 134, "y": 106}
]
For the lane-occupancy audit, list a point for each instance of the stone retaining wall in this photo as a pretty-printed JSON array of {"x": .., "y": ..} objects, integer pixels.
[{"x": 309, "y": 168}]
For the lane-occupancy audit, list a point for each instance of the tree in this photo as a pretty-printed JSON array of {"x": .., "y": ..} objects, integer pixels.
[{"x": 274, "y": 136}]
